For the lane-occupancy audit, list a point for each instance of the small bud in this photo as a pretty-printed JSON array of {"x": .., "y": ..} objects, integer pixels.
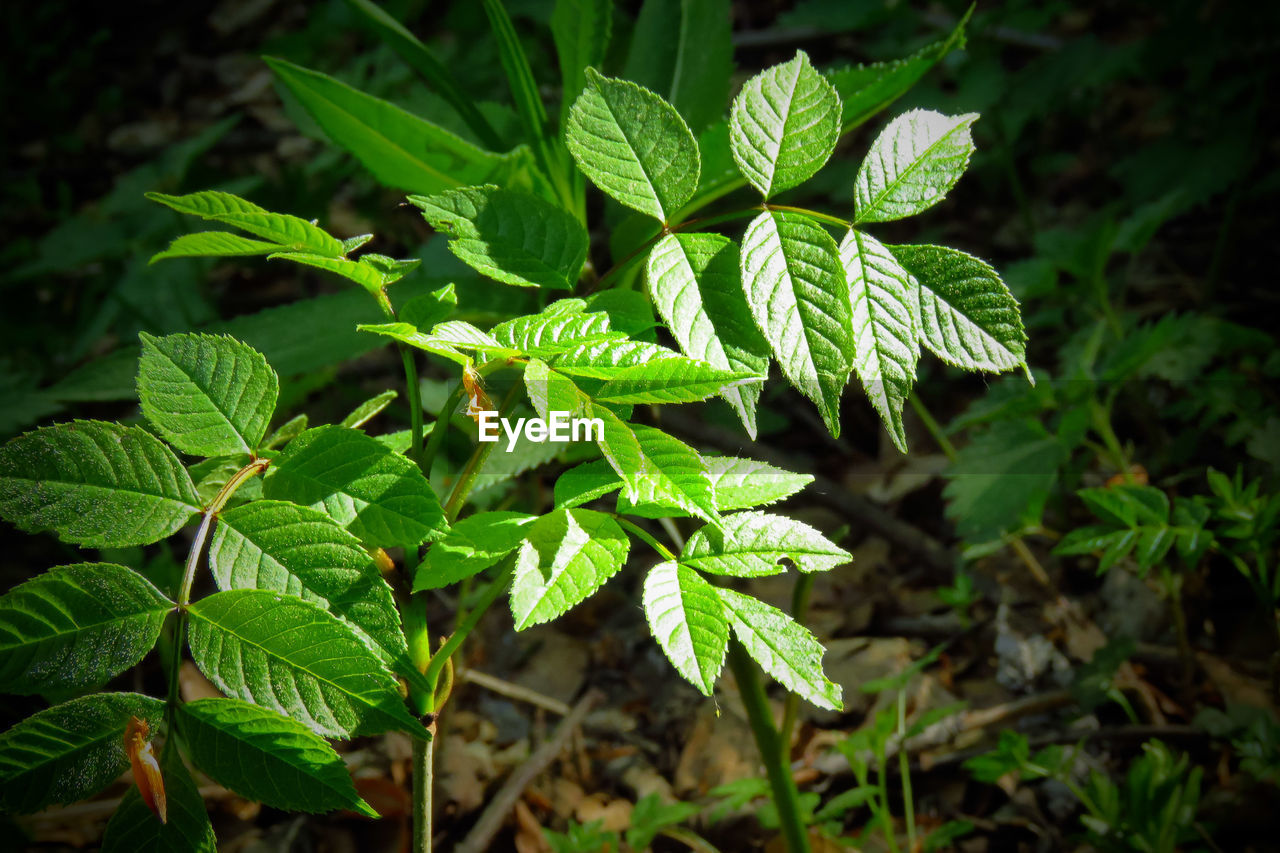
[
  {"x": 477, "y": 401},
  {"x": 146, "y": 769}
]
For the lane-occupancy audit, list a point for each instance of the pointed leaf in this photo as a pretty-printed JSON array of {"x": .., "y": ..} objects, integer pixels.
[
  {"x": 585, "y": 483},
  {"x": 472, "y": 545},
  {"x": 608, "y": 359},
  {"x": 290, "y": 232},
  {"x": 967, "y": 316},
  {"x": 545, "y": 335},
  {"x": 686, "y": 618},
  {"x": 216, "y": 244},
  {"x": 368, "y": 410},
  {"x": 377, "y": 494},
  {"x": 267, "y": 758},
  {"x": 912, "y": 165},
  {"x": 694, "y": 283},
  {"x": 77, "y": 626},
  {"x": 513, "y": 237},
  {"x": 656, "y": 468},
  {"x": 670, "y": 380},
  {"x": 750, "y": 544},
  {"x": 400, "y": 149},
  {"x": 415, "y": 337},
  {"x": 135, "y": 829},
  {"x": 71, "y": 751},
  {"x": 566, "y": 556},
  {"x": 96, "y": 484},
  {"x": 884, "y": 298},
  {"x": 295, "y": 550},
  {"x": 744, "y": 483},
  {"x": 784, "y": 125},
  {"x": 794, "y": 283},
  {"x": 372, "y": 272},
  {"x": 425, "y": 311},
  {"x": 783, "y": 648},
  {"x": 293, "y": 657},
  {"x": 633, "y": 145},
  {"x": 207, "y": 395}
]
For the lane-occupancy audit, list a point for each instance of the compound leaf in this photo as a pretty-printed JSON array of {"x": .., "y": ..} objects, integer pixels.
[
  {"x": 371, "y": 271},
  {"x": 585, "y": 483},
  {"x": 216, "y": 244},
  {"x": 93, "y": 483},
  {"x": 656, "y": 469},
  {"x": 912, "y": 165},
  {"x": 744, "y": 483},
  {"x": 472, "y": 545},
  {"x": 77, "y": 626},
  {"x": 670, "y": 380},
  {"x": 633, "y": 145},
  {"x": 693, "y": 280},
  {"x": 296, "y": 658},
  {"x": 546, "y": 335},
  {"x": 796, "y": 289},
  {"x": 686, "y": 618},
  {"x": 751, "y": 544},
  {"x": 288, "y": 232},
  {"x": 207, "y": 395},
  {"x": 782, "y": 647},
  {"x": 784, "y": 125},
  {"x": 566, "y": 556},
  {"x": 377, "y": 494},
  {"x": 70, "y": 751},
  {"x": 883, "y": 295},
  {"x": 267, "y": 758},
  {"x": 134, "y": 828}
]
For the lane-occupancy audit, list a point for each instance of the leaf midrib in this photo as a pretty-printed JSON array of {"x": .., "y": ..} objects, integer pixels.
[{"x": 892, "y": 185}]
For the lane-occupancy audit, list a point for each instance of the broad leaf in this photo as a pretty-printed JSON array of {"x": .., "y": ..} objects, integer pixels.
[
  {"x": 784, "y": 125},
  {"x": 267, "y": 758},
  {"x": 750, "y": 544},
  {"x": 512, "y": 237},
  {"x": 967, "y": 316},
  {"x": 912, "y": 165},
  {"x": 744, "y": 483},
  {"x": 293, "y": 657},
  {"x": 633, "y": 145},
  {"x": 288, "y": 232},
  {"x": 425, "y": 311},
  {"x": 207, "y": 395},
  {"x": 686, "y": 618},
  {"x": 415, "y": 337},
  {"x": 134, "y": 828},
  {"x": 610, "y": 359},
  {"x": 216, "y": 244},
  {"x": 566, "y": 556},
  {"x": 782, "y": 647},
  {"x": 299, "y": 551},
  {"x": 670, "y": 380},
  {"x": 656, "y": 468},
  {"x": 795, "y": 286},
  {"x": 400, "y": 149},
  {"x": 545, "y": 335},
  {"x": 585, "y": 483},
  {"x": 71, "y": 751},
  {"x": 97, "y": 484},
  {"x": 377, "y": 494},
  {"x": 884, "y": 299},
  {"x": 694, "y": 283},
  {"x": 77, "y": 626},
  {"x": 472, "y": 545},
  {"x": 682, "y": 49},
  {"x": 550, "y": 391},
  {"x": 372, "y": 272}
]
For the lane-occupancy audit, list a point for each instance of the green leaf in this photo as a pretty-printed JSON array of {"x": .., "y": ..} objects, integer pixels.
[
  {"x": 372, "y": 272},
  {"x": 686, "y": 618},
  {"x": 77, "y": 626},
  {"x": 512, "y": 237},
  {"x": 217, "y": 244},
  {"x": 298, "y": 551},
  {"x": 369, "y": 409},
  {"x": 290, "y": 232},
  {"x": 796, "y": 288},
  {"x": 550, "y": 392},
  {"x": 414, "y": 337},
  {"x": 400, "y": 149},
  {"x": 884, "y": 298},
  {"x": 967, "y": 316},
  {"x": 71, "y": 751},
  {"x": 294, "y": 657},
  {"x": 585, "y": 483},
  {"x": 751, "y": 544},
  {"x": 693, "y": 281},
  {"x": 134, "y": 828},
  {"x": 472, "y": 545},
  {"x": 656, "y": 468},
  {"x": 784, "y": 125},
  {"x": 285, "y": 433},
  {"x": 611, "y": 358},
  {"x": 267, "y": 758},
  {"x": 425, "y": 311},
  {"x": 652, "y": 814},
  {"x": 546, "y": 335},
  {"x": 682, "y": 50},
  {"x": 207, "y": 395},
  {"x": 912, "y": 165},
  {"x": 633, "y": 145},
  {"x": 744, "y": 483},
  {"x": 377, "y": 494},
  {"x": 783, "y": 648},
  {"x": 581, "y": 30},
  {"x": 97, "y": 484},
  {"x": 566, "y": 556},
  {"x": 670, "y": 380}
]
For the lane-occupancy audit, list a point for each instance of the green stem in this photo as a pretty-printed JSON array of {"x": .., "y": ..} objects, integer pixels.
[
  {"x": 491, "y": 592},
  {"x": 1100, "y": 416},
  {"x": 800, "y": 595},
  {"x": 904, "y": 770},
  {"x": 786, "y": 797},
  {"x": 648, "y": 538},
  {"x": 441, "y": 428},
  {"x": 423, "y": 752},
  {"x": 813, "y": 214},
  {"x": 642, "y": 250},
  {"x": 935, "y": 430}
]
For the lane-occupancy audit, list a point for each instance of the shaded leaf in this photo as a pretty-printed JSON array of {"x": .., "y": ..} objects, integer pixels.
[
  {"x": 682, "y": 49},
  {"x": 135, "y": 829},
  {"x": 289, "y": 232},
  {"x": 566, "y": 556}
]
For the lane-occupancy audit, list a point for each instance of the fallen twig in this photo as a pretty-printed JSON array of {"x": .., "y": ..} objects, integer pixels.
[{"x": 514, "y": 691}]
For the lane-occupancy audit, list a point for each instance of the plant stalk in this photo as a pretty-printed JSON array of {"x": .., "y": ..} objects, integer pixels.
[{"x": 800, "y": 595}]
